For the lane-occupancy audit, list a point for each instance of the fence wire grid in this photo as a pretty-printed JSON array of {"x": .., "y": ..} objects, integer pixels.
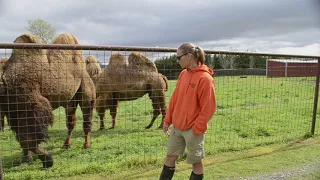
[{"x": 95, "y": 107}]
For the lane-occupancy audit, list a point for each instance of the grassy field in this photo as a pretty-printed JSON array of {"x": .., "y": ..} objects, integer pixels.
[
  {"x": 263, "y": 162},
  {"x": 252, "y": 111}
]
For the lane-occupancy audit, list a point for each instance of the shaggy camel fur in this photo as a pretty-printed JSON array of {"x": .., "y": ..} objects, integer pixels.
[
  {"x": 124, "y": 82},
  {"x": 37, "y": 81},
  {"x": 3, "y": 60},
  {"x": 93, "y": 67}
]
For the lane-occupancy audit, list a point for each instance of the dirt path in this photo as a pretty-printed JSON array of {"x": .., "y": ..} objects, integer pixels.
[{"x": 292, "y": 173}]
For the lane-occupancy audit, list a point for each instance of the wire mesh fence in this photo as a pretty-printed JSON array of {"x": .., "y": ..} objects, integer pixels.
[{"x": 96, "y": 105}]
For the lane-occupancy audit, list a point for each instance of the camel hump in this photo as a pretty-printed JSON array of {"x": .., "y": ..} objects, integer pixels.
[
  {"x": 65, "y": 38},
  {"x": 116, "y": 60},
  {"x": 74, "y": 56},
  {"x": 28, "y": 38},
  {"x": 138, "y": 60}
]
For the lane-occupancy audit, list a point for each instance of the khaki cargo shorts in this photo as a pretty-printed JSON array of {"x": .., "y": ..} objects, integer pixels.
[{"x": 180, "y": 139}]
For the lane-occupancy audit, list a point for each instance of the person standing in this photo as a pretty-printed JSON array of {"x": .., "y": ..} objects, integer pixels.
[{"x": 192, "y": 105}]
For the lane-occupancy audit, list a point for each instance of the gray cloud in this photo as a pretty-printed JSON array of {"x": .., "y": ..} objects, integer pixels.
[{"x": 170, "y": 23}]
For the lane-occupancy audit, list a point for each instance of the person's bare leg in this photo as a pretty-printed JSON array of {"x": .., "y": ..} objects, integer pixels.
[
  {"x": 168, "y": 168},
  {"x": 171, "y": 161},
  {"x": 197, "y": 168},
  {"x": 197, "y": 171}
]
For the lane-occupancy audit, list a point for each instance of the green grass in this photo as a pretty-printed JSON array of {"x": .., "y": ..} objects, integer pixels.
[
  {"x": 252, "y": 112},
  {"x": 253, "y": 162}
]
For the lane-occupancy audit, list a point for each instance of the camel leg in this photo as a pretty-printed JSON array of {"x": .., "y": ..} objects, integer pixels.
[
  {"x": 101, "y": 109},
  {"x": 71, "y": 121},
  {"x": 113, "y": 111},
  {"x": 86, "y": 97},
  {"x": 1, "y": 121},
  {"x": 27, "y": 156},
  {"x": 156, "y": 110},
  {"x": 87, "y": 110},
  {"x": 44, "y": 156},
  {"x": 101, "y": 113},
  {"x": 162, "y": 104},
  {"x": 29, "y": 144},
  {"x": 31, "y": 127}
]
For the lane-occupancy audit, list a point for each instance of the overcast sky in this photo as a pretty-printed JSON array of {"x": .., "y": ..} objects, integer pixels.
[{"x": 275, "y": 26}]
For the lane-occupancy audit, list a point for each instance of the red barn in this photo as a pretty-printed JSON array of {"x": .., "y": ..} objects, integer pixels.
[{"x": 291, "y": 68}]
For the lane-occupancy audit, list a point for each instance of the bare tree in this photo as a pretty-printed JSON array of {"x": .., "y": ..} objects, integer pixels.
[{"x": 42, "y": 29}]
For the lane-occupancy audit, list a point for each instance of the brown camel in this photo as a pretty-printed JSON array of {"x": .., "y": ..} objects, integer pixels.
[
  {"x": 3, "y": 60},
  {"x": 37, "y": 81},
  {"x": 93, "y": 67},
  {"x": 124, "y": 82}
]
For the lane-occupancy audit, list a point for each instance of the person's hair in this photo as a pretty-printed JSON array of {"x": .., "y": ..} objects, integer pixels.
[{"x": 196, "y": 51}]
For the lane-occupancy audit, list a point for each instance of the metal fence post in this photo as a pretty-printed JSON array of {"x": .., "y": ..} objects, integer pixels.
[
  {"x": 316, "y": 95},
  {"x": 1, "y": 171}
]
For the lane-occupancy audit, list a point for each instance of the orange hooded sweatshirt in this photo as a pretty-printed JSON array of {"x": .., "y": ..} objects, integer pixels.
[{"x": 193, "y": 102}]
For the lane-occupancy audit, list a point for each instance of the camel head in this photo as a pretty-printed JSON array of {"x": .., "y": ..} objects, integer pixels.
[{"x": 93, "y": 67}]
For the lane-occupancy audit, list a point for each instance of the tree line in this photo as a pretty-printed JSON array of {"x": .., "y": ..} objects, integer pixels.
[{"x": 169, "y": 66}]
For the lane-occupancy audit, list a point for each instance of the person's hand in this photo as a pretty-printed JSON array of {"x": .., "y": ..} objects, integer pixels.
[{"x": 166, "y": 129}]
